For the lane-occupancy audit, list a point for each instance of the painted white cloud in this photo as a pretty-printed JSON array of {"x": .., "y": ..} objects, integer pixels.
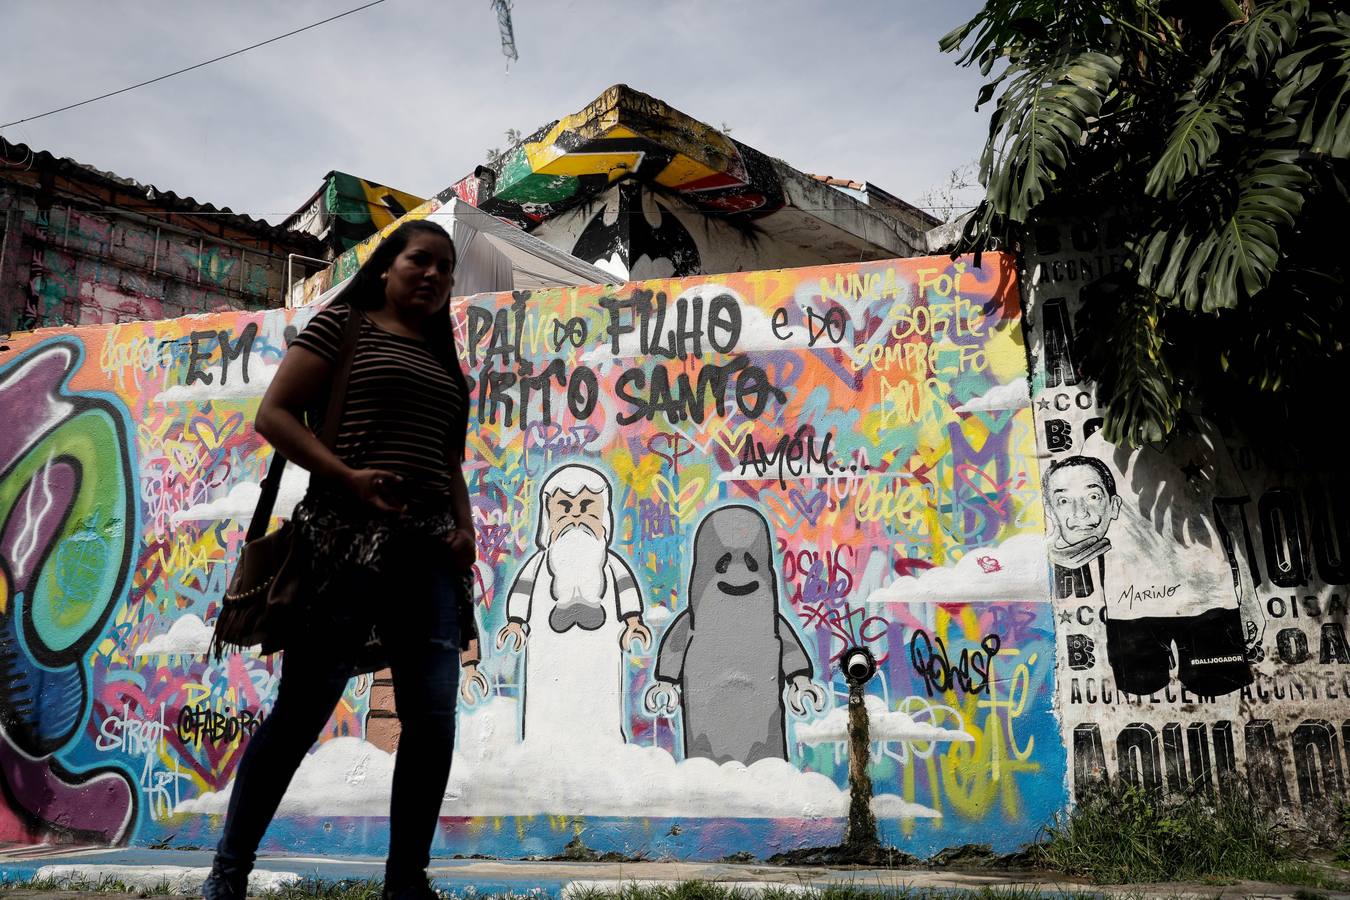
[
  {"x": 187, "y": 636},
  {"x": 259, "y": 377},
  {"x": 493, "y": 774},
  {"x": 242, "y": 499},
  {"x": 1012, "y": 395},
  {"x": 658, "y": 615},
  {"x": 883, "y": 725},
  {"x": 1016, "y": 569}
]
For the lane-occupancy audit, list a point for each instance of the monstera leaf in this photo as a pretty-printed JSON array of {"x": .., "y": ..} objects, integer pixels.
[
  {"x": 1225, "y": 245},
  {"x": 1039, "y": 122},
  {"x": 1267, "y": 33},
  {"x": 1120, "y": 342},
  {"x": 1194, "y": 141},
  {"x": 1218, "y": 137},
  {"x": 1316, "y": 86}
]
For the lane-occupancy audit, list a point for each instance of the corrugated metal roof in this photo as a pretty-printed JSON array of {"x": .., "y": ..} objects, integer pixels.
[{"x": 20, "y": 156}]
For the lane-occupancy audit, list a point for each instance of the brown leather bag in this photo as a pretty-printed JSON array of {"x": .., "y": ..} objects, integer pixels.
[{"x": 268, "y": 582}]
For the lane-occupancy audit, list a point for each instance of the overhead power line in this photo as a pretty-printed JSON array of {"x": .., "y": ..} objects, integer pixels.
[{"x": 52, "y": 112}]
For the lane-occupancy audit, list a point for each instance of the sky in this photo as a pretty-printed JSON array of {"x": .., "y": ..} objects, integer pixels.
[{"x": 414, "y": 93}]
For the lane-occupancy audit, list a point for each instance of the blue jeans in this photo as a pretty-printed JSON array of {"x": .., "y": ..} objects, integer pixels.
[{"x": 416, "y": 612}]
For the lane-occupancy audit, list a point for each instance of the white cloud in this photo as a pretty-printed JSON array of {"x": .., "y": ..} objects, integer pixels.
[
  {"x": 242, "y": 499},
  {"x": 187, "y": 636},
  {"x": 234, "y": 389},
  {"x": 495, "y": 775},
  {"x": 1012, "y": 395},
  {"x": 658, "y": 615},
  {"x": 1016, "y": 569},
  {"x": 883, "y": 725}
]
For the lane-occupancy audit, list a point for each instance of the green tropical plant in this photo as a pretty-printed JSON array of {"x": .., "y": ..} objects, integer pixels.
[{"x": 1218, "y": 132}]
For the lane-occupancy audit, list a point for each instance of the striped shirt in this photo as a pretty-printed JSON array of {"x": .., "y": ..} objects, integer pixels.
[{"x": 404, "y": 412}]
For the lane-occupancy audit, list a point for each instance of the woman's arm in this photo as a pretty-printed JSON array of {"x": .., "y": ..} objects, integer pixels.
[
  {"x": 299, "y": 380},
  {"x": 459, "y": 503}
]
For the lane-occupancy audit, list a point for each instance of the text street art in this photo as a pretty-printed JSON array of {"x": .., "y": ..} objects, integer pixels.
[
  {"x": 691, "y": 496},
  {"x": 1198, "y": 594}
]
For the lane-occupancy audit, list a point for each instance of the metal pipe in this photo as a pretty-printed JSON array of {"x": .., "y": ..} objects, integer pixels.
[
  {"x": 154, "y": 262},
  {"x": 201, "y": 246},
  {"x": 65, "y": 238},
  {"x": 290, "y": 261},
  {"x": 4, "y": 244}
]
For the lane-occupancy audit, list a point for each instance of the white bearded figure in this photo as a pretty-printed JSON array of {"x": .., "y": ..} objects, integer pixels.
[{"x": 578, "y": 607}]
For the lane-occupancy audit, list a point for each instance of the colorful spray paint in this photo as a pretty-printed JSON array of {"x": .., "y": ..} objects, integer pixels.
[{"x": 776, "y": 466}]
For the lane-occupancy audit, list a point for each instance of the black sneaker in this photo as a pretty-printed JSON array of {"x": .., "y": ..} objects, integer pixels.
[
  {"x": 219, "y": 886},
  {"x": 415, "y": 891}
]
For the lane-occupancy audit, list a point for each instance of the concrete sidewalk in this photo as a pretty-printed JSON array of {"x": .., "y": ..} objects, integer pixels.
[{"x": 182, "y": 871}]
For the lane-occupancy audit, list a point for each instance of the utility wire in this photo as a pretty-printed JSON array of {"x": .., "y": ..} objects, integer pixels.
[{"x": 52, "y": 112}]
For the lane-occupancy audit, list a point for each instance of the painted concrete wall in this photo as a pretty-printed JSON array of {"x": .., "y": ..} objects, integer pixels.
[
  {"x": 635, "y": 233},
  {"x": 65, "y": 265},
  {"x": 603, "y": 184},
  {"x": 1199, "y": 597},
  {"x": 793, "y": 462}
]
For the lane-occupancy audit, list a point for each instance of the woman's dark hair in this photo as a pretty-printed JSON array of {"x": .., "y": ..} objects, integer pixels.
[{"x": 366, "y": 290}]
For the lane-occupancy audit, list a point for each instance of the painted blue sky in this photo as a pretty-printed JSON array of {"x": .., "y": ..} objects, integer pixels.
[{"x": 413, "y": 93}]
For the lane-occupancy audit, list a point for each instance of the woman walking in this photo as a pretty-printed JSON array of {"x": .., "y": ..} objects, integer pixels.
[{"x": 387, "y": 527}]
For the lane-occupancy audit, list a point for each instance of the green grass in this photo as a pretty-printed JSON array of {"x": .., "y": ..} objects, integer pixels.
[
  {"x": 104, "y": 885},
  {"x": 316, "y": 889},
  {"x": 312, "y": 889},
  {"x": 1129, "y": 836},
  {"x": 702, "y": 890}
]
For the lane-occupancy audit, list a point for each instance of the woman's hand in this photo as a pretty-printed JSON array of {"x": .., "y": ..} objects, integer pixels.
[
  {"x": 377, "y": 487},
  {"x": 463, "y": 547}
]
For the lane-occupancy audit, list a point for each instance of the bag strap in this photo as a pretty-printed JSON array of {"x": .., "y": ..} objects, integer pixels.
[{"x": 337, "y": 398}]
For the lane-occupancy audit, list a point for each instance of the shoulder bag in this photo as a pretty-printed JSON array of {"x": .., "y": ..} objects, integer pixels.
[{"x": 266, "y": 587}]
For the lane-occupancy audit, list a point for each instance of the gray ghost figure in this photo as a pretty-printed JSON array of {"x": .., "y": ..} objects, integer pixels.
[{"x": 729, "y": 654}]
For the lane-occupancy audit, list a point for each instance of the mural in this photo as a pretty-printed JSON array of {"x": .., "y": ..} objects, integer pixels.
[
  {"x": 1199, "y": 595},
  {"x": 692, "y": 495},
  {"x": 347, "y": 210},
  {"x": 625, "y": 134}
]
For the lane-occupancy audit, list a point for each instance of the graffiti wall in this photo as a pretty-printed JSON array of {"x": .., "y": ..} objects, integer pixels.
[
  {"x": 1199, "y": 597},
  {"x": 62, "y": 263},
  {"x": 691, "y": 497}
]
